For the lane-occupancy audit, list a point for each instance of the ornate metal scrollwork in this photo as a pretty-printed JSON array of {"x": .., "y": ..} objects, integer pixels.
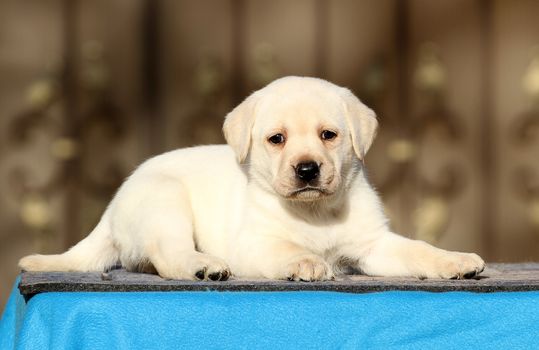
[
  {"x": 524, "y": 133},
  {"x": 211, "y": 85},
  {"x": 430, "y": 81},
  {"x": 527, "y": 187},
  {"x": 265, "y": 64},
  {"x": 43, "y": 114},
  {"x": 432, "y": 214},
  {"x": 526, "y": 128},
  {"x": 205, "y": 118}
]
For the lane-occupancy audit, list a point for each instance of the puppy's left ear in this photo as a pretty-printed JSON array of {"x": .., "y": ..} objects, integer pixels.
[
  {"x": 238, "y": 125},
  {"x": 361, "y": 122}
]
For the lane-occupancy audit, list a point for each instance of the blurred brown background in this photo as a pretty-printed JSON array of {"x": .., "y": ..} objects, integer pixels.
[{"x": 90, "y": 88}]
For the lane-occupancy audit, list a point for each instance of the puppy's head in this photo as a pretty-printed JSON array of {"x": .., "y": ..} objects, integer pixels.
[{"x": 303, "y": 137}]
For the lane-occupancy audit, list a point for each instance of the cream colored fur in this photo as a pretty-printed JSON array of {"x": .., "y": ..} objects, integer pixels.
[{"x": 240, "y": 208}]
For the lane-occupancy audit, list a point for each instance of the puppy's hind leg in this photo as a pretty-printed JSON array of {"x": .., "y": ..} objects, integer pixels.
[{"x": 168, "y": 237}]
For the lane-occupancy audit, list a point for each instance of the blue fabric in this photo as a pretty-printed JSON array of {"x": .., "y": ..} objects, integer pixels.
[
  {"x": 12, "y": 318},
  {"x": 279, "y": 320}
]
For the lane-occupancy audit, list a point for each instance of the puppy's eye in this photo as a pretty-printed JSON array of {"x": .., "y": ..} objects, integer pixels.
[
  {"x": 328, "y": 135},
  {"x": 276, "y": 139}
]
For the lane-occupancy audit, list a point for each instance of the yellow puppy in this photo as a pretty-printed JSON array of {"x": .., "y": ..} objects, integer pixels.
[{"x": 287, "y": 198}]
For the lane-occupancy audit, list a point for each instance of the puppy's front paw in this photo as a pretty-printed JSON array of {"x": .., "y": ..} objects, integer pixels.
[
  {"x": 207, "y": 267},
  {"x": 308, "y": 268},
  {"x": 197, "y": 266},
  {"x": 454, "y": 265}
]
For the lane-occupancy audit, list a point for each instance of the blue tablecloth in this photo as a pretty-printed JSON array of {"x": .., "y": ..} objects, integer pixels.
[{"x": 271, "y": 320}]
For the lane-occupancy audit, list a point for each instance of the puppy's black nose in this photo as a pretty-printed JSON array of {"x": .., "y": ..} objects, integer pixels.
[{"x": 307, "y": 171}]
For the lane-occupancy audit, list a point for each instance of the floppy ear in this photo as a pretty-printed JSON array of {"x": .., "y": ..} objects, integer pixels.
[
  {"x": 238, "y": 125},
  {"x": 361, "y": 122}
]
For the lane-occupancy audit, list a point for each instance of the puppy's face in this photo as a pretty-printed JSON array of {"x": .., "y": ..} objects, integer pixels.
[
  {"x": 301, "y": 144},
  {"x": 301, "y": 136}
]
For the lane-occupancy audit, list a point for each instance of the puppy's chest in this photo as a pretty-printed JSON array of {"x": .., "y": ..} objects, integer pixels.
[{"x": 318, "y": 238}]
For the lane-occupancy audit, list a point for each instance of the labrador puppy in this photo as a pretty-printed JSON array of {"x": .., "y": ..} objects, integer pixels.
[{"x": 287, "y": 198}]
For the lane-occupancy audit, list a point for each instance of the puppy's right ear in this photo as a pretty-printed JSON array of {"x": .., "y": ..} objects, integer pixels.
[{"x": 238, "y": 125}]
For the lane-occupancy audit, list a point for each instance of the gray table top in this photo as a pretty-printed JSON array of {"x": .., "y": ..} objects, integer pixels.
[{"x": 495, "y": 278}]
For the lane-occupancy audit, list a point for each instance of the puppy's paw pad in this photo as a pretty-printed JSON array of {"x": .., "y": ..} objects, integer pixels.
[
  {"x": 219, "y": 276},
  {"x": 470, "y": 274},
  {"x": 201, "y": 274},
  {"x": 308, "y": 268}
]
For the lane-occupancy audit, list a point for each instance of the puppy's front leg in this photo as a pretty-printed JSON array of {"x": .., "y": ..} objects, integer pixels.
[
  {"x": 394, "y": 255},
  {"x": 277, "y": 258}
]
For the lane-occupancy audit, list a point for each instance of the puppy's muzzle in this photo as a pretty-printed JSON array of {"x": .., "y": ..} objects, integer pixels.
[{"x": 307, "y": 172}]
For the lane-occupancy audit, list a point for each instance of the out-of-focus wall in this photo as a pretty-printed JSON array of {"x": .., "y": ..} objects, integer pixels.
[{"x": 89, "y": 89}]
